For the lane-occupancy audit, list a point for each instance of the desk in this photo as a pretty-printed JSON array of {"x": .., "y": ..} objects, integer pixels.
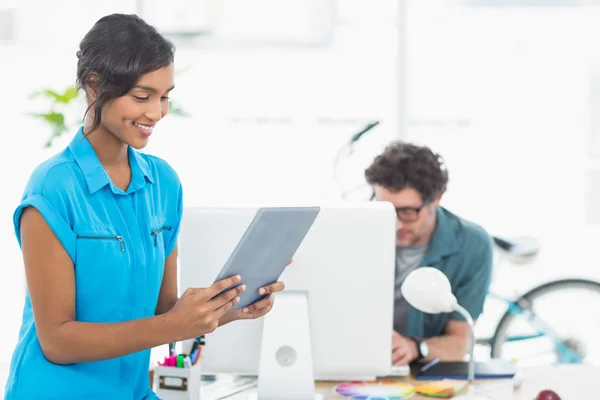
[{"x": 577, "y": 382}]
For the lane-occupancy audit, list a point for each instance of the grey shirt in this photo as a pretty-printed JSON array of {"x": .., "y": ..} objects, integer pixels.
[{"x": 407, "y": 259}]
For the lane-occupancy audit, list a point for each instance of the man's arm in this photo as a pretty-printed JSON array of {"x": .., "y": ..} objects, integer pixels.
[
  {"x": 453, "y": 345},
  {"x": 455, "y": 342}
]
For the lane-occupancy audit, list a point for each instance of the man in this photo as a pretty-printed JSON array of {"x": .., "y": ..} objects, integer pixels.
[{"x": 413, "y": 179}]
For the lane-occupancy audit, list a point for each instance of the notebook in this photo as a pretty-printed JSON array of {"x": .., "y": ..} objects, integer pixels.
[{"x": 493, "y": 369}]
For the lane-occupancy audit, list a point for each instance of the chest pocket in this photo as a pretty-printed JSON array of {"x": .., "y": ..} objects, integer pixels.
[
  {"x": 158, "y": 233},
  {"x": 159, "y": 230},
  {"x": 102, "y": 273}
]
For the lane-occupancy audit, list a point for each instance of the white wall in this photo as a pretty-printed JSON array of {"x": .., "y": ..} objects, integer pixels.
[
  {"x": 504, "y": 95},
  {"x": 265, "y": 126}
]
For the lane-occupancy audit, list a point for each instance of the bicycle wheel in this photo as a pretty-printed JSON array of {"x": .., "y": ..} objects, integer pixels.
[{"x": 553, "y": 335}]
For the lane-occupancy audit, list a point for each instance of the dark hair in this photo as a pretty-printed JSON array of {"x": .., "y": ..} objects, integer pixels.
[
  {"x": 117, "y": 51},
  {"x": 403, "y": 165}
]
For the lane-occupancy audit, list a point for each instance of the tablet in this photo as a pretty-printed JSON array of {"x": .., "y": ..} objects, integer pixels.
[{"x": 266, "y": 248}]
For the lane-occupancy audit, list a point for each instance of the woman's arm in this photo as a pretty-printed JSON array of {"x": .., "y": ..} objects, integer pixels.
[
  {"x": 51, "y": 283},
  {"x": 168, "y": 297}
]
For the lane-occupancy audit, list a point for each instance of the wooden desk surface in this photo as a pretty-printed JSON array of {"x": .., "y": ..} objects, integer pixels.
[{"x": 570, "y": 382}]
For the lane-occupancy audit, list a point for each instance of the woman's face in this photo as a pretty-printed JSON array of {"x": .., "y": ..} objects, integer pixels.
[{"x": 132, "y": 117}]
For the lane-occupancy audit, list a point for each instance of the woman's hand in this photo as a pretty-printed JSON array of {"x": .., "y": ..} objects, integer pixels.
[
  {"x": 197, "y": 313},
  {"x": 258, "y": 309}
]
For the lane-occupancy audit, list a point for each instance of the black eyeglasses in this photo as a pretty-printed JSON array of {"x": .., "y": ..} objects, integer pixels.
[
  {"x": 408, "y": 214},
  {"x": 405, "y": 214}
]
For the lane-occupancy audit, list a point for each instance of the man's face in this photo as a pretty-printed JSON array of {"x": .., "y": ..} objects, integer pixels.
[{"x": 415, "y": 220}]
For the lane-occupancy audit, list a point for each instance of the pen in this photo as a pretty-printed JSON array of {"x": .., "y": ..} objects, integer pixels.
[
  {"x": 429, "y": 365},
  {"x": 196, "y": 344}
]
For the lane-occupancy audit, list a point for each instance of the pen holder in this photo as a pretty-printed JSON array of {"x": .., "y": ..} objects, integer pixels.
[{"x": 173, "y": 383}]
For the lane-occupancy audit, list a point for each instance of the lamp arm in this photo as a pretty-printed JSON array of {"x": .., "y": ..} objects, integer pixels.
[{"x": 462, "y": 311}]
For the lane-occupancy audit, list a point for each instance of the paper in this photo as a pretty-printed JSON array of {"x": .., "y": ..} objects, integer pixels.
[{"x": 442, "y": 389}]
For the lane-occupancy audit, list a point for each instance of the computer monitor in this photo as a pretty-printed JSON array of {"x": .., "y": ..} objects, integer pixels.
[{"x": 333, "y": 321}]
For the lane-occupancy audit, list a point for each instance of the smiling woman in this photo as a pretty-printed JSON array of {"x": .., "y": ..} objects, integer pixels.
[
  {"x": 130, "y": 118},
  {"x": 127, "y": 73},
  {"x": 98, "y": 227}
]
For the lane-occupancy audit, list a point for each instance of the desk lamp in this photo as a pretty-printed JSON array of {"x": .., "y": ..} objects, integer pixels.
[{"x": 428, "y": 290}]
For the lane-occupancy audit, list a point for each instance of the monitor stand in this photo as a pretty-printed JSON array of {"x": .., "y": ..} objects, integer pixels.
[{"x": 286, "y": 364}]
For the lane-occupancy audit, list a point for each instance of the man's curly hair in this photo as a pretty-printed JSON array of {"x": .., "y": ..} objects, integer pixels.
[{"x": 403, "y": 165}]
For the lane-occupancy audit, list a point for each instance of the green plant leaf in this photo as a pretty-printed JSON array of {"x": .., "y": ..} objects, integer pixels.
[
  {"x": 176, "y": 110},
  {"x": 56, "y": 122},
  {"x": 53, "y": 118},
  {"x": 57, "y": 131},
  {"x": 65, "y": 98},
  {"x": 70, "y": 94},
  {"x": 47, "y": 93}
]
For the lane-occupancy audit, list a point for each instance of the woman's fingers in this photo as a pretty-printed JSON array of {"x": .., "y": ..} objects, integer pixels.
[
  {"x": 259, "y": 306},
  {"x": 226, "y": 297},
  {"x": 276, "y": 287}
]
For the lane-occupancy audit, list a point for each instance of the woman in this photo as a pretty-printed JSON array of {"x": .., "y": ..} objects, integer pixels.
[{"x": 98, "y": 226}]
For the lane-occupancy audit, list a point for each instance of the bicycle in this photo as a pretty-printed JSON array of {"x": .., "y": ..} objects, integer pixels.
[{"x": 567, "y": 350}]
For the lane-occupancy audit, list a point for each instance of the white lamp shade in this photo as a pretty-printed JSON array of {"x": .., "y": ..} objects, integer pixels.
[{"x": 428, "y": 290}]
